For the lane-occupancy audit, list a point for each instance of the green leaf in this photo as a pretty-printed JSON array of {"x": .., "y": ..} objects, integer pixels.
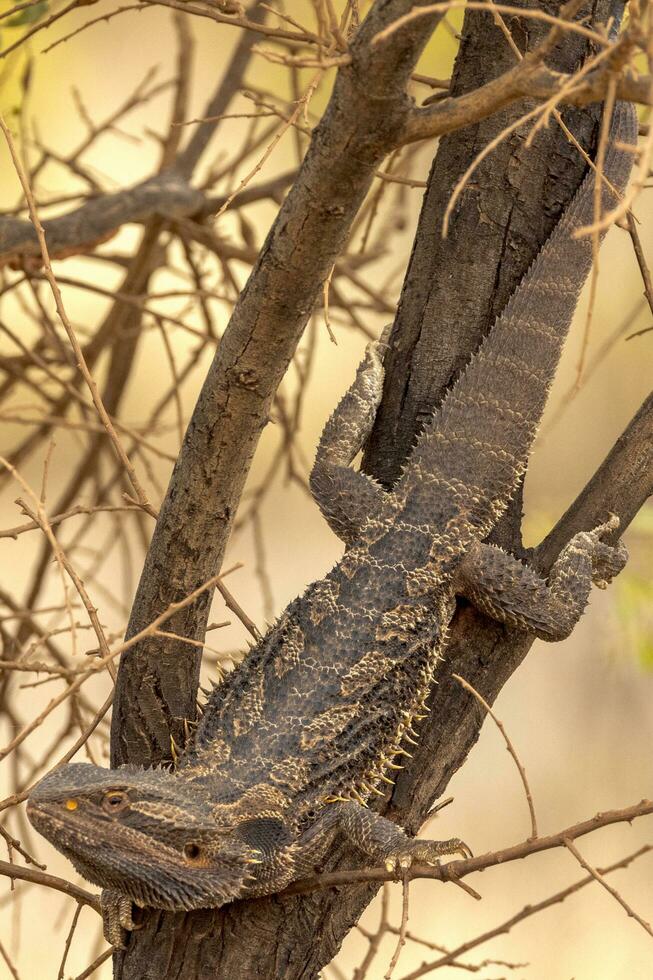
[{"x": 30, "y": 15}]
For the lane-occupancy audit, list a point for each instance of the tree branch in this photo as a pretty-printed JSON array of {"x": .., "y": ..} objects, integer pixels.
[
  {"x": 526, "y": 81},
  {"x": 170, "y": 194},
  {"x": 621, "y": 485},
  {"x": 50, "y": 881},
  {"x": 455, "y": 870}
]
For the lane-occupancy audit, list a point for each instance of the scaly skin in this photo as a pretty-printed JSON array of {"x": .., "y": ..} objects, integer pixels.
[{"x": 296, "y": 741}]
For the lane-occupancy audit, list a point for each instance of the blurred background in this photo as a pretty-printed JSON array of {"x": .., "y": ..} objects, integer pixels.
[{"x": 579, "y": 713}]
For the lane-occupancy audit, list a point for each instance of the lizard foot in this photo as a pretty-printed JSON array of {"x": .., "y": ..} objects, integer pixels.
[
  {"x": 116, "y": 917},
  {"x": 404, "y": 854},
  {"x": 377, "y": 349},
  {"x": 382, "y": 343},
  {"x": 607, "y": 560}
]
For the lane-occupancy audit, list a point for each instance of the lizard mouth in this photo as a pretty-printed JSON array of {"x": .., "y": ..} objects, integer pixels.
[{"x": 149, "y": 872}]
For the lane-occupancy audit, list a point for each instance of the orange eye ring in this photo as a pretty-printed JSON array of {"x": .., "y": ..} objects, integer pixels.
[
  {"x": 71, "y": 805},
  {"x": 115, "y": 801}
]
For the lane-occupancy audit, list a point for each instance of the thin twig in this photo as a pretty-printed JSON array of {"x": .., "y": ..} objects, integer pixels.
[
  {"x": 63, "y": 316},
  {"x": 522, "y": 772},
  {"x": 569, "y": 844},
  {"x": 528, "y": 911},
  {"x": 401, "y": 940}
]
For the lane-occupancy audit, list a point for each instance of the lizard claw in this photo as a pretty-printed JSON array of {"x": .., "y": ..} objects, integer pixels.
[
  {"x": 377, "y": 349},
  {"x": 385, "y": 336},
  {"x": 404, "y": 855},
  {"x": 607, "y": 560}
]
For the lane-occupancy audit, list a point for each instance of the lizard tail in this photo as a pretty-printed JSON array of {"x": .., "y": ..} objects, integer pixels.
[{"x": 477, "y": 445}]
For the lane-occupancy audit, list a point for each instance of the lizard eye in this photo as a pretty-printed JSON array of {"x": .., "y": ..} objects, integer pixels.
[
  {"x": 114, "y": 801},
  {"x": 192, "y": 851}
]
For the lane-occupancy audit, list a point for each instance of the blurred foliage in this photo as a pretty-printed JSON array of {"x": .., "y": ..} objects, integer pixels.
[
  {"x": 28, "y": 16},
  {"x": 634, "y": 594},
  {"x": 15, "y": 67}
]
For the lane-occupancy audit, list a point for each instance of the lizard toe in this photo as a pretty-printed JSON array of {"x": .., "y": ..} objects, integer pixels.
[
  {"x": 116, "y": 917},
  {"x": 402, "y": 857},
  {"x": 607, "y": 562}
]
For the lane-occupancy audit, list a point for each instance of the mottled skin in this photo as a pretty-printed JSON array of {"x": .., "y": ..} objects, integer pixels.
[{"x": 314, "y": 722}]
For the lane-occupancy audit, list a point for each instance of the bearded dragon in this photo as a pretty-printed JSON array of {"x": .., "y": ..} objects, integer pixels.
[{"x": 297, "y": 740}]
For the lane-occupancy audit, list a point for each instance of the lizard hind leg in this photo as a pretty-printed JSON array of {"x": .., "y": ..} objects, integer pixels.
[
  {"x": 347, "y": 497},
  {"x": 511, "y": 592}
]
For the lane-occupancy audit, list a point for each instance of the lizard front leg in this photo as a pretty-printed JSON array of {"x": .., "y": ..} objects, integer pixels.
[
  {"x": 511, "y": 592},
  {"x": 347, "y": 497},
  {"x": 381, "y": 839},
  {"x": 116, "y": 917}
]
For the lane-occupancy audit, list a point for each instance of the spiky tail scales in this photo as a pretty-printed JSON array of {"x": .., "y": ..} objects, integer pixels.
[{"x": 477, "y": 445}]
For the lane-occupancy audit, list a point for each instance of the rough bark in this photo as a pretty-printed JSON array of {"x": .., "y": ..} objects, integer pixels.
[{"x": 452, "y": 292}]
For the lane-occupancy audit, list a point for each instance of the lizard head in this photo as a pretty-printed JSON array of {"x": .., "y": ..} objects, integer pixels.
[{"x": 149, "y": 834}]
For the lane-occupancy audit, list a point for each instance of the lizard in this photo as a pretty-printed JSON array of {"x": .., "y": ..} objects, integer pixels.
[{"x": 296, "y": 741}]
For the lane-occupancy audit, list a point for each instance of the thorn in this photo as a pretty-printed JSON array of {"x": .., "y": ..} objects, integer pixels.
[
  {"x": 385, "y": 779},
  {"x": 403, "y": 752},
  {"x": 378, "y": 792},
  {"x": 410, "y": 740},
  {"x": 391, "y": 765},
  {"x": 358, "y": 797}
]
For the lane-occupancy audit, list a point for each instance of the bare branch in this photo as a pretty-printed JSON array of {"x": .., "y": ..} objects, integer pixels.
[
  {"x": 611, "y": 891},
  {"x": 526, "y": 912},
  {"x": 455, "y": 870},
  {"x": 50, "y": 881},
  {"x": 266, "y": 325},
  {"x": 509, "y": 746}
]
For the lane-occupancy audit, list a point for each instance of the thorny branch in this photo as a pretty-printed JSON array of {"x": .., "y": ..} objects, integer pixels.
[{"x": 456, "y": 870}]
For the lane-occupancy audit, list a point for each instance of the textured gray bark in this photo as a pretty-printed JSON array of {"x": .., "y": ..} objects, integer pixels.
[{"x": 453, "y": 291}]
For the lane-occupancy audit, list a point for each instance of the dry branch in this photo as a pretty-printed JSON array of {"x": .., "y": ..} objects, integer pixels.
[{"x": 455, "y": 870}]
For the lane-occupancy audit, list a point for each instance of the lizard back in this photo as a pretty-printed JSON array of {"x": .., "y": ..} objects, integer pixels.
[{"x": 323, "y": 701}]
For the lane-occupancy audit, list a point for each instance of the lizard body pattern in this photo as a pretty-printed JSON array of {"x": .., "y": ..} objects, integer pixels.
[{"x": 296, "y": 740}]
